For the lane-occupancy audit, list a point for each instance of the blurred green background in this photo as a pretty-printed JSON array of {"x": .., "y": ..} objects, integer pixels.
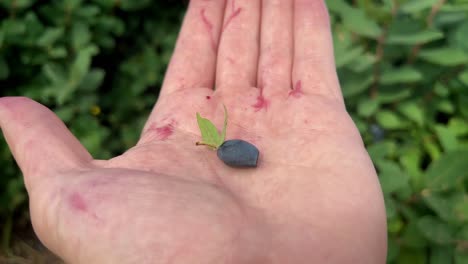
[{"x": 99, "y": 65}]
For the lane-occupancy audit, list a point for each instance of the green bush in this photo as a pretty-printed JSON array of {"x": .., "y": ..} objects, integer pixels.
[{"x": 99, "y": 64}]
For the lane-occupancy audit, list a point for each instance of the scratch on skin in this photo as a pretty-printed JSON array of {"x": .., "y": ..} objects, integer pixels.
[
  {"x": 235, "y": 12},
  {"x": 261, "y": 102},
  {"x": 297, "y": 91},
  {"x": 209, "y": 28},
  {"x": 162, "y": 132},
  {"x": 77, "y": 202}
]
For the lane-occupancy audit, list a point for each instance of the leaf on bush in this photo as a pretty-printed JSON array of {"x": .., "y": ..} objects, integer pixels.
[
  {"x": 446, "y": 172},
  {"x": 367, "y": 107},
  {"x": 441, "y": 205},
  {"x": 446, "y": 56},
  {"x": 50, "y": 36},
  {"x": 382, "y": 149},
  {"x": 447, "y": 139},
  {"x": 356, "y": 84},
  {"x": 435, "y": 230},
  {"x": 441, "y": 90},
  {"x": 392, "y": 178},
  {"x": 345, "y": 56},
  {"x": 414, "y": 6},
  {"x": 357, "y": 21},
  {"x": 458, "y": 126},
  {"x": 401, "y": 75},
  {"x": 390, "y": 120},
  {"x": 412, "y": 256},
  {"x": 440, "y": 255},
  {"x": 410, "y": 160},
  {"x": 413, "y": 112},
  {"x": 421, "y": 37},
  {"x": 445, "y": 106},
  {"x": 412, "y": 237}
]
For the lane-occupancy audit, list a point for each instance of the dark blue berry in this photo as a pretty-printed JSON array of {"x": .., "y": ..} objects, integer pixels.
[
  {"x": 377, "y": 132},
  {"x": 238, "y": 153}
]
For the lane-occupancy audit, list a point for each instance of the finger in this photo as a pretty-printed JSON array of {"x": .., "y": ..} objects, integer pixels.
[
  {"x": 276, "y": 46},
  {"x": 239, "y": 45},
  {"x": 314, "y": 67},
  {"x": 38, "y": 139},
  {"x": 194, "y": 61}
]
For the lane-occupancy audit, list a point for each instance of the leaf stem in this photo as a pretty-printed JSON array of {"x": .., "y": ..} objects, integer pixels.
[{"x": 201, "y": 143}]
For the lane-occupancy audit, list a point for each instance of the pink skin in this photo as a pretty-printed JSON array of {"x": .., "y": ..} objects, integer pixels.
[
  {"x": 235, "y": 13},
  {"x": 209, "y": 28},
  {"x": 297, "y": 91}
]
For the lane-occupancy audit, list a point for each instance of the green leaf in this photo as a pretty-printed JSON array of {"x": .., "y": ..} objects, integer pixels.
[
  {"x": 390, "y": 120},
  {"x": 413, "y": 112},
  {"x": 420, "y": 37},
  {"x": 356, "y": 84},
  {"x": 367, "y": 107},
  {"x": 435, "y": 230},
  {"x": 450, "y": 169},
  {"x": 441, "y": 205},
  {"x": 382, "y": 149},
  {"x": 210, "y": 135},
  {"x": 410, "y": 160},
  {"x": 441, "y": 255},
  {"x": 412, "y": 257},
  {"x": 412, "y": 237},
  {"x": 357, "y": 21},
  {"x": 50, "y": 36},
  {"x": 391, "y": 177},
  {"x": 447, "y": 139},
  {"x": 458, "y": 126},
  {"x": 447, "y": 56},
  {"x": 463, "y": 76},
  {"x": 401, "y": 75},
  {"x": 441, "y": 90},
  {"x": 414, "y": 6}
]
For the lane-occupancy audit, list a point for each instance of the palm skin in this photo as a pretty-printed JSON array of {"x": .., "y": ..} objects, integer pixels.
[{"x": 314, "y": 197}]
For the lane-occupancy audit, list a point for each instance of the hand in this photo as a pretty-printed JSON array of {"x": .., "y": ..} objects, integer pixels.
[{"x": 314, "y": 197}]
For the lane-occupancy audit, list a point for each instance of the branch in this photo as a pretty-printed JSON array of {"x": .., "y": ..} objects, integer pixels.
[{"x": 429, "y": 21}]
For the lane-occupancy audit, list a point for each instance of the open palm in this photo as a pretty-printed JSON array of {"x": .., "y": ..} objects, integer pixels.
[{"x": 314, "y": 197}]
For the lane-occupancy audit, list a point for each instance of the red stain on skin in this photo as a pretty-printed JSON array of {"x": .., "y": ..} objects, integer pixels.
[
  {"x": 297, "y": 91},
  {"x": 260, "y": 104},
  {"x": 235, "y": 12},
  {"x": 209, "y": 28},
  {"x": 162, "y": 132},
  {"x": 208, "y": 97},
  {"x": 77, "y": 202},
  {"x": 230, "y": 60}
]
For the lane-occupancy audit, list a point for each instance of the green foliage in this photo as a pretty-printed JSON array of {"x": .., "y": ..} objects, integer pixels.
[
  {"x": 402, "y": 67},
  {"x": 99, "y": 65}
]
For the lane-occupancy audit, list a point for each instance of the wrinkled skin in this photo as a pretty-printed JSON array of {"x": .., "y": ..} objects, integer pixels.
[{"x": 314, "y": 198}]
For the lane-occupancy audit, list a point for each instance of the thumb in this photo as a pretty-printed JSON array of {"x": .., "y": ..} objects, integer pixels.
[{"x": 38, "y": 139}]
